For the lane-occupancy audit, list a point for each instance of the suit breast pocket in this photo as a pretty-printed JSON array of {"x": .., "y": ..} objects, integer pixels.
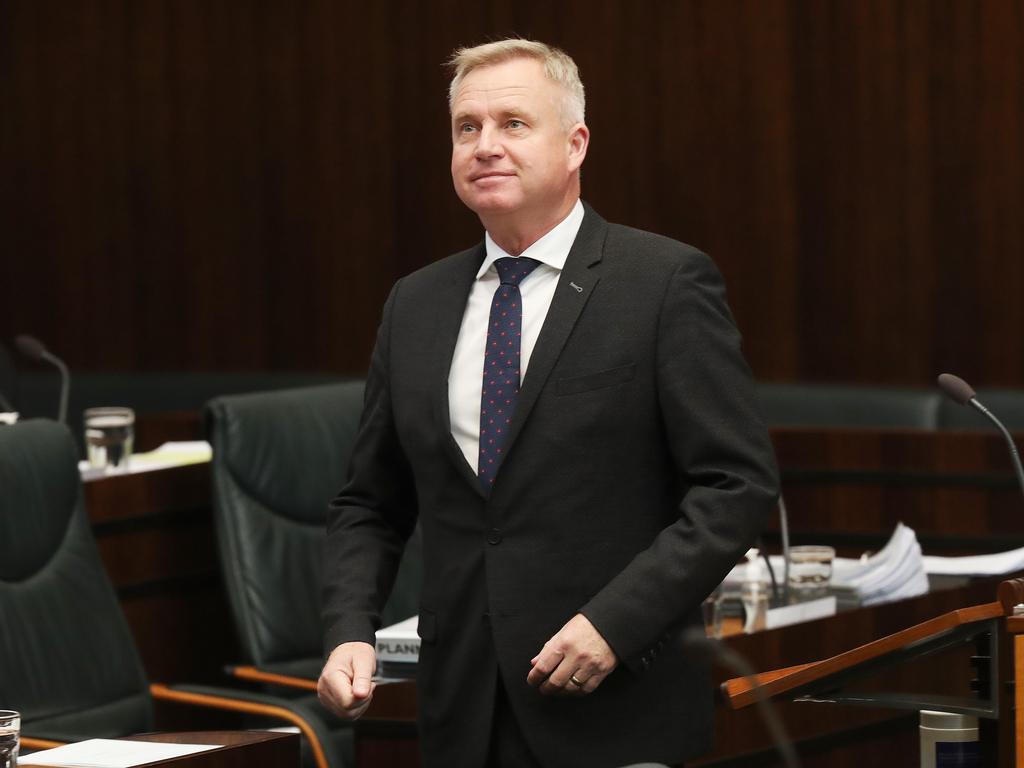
[{"x": 598, "y": 380}]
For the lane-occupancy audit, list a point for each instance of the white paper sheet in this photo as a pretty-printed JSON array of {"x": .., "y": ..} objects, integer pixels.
[
  {"x": 111, "y": 753},
  {"x": 976, "y": 565},
  {"x": 173, "y": 454}
]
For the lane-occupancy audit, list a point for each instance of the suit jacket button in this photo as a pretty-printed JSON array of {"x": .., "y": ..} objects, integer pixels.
[{"x": 494, "y": 537}]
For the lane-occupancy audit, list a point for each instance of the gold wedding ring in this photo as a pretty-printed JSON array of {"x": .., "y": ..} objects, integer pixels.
[{"x": 576, "y": 681}]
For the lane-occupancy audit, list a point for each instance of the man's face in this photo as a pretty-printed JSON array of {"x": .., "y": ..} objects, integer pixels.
[{"x": 511, "y": 152}]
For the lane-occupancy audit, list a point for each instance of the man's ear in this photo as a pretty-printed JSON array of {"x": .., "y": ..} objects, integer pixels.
[{"x": 579, "y": 140}]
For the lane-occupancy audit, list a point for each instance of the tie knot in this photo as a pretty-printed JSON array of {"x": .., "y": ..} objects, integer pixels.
[{"x": 512, "y": 271}]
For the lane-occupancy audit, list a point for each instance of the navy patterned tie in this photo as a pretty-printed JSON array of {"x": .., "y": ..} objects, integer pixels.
[{"x": 501, "y": 365}]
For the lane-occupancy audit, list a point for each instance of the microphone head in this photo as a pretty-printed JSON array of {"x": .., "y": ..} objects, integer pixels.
[
  {"x": 30, "y": 347},
  {"x": 956, "y": 388}
]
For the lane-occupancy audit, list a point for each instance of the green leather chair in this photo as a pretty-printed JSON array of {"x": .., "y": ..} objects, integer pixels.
[
  {"x": 1006, "y": 404},
  {"x": 68, "y": 661},
  {"x": 834, "y": 406},
  {"x": 278, "y": 458}
]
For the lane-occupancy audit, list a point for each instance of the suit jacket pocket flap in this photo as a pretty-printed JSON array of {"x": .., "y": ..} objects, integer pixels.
[
  {"x": 427, "y": 626},
  {"x": 597, "y": 380}
]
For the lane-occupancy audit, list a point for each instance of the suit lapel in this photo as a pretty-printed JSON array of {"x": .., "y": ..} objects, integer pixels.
[
  {"x": 451, "y": 305},
  {"x": 575, "y": 285}
]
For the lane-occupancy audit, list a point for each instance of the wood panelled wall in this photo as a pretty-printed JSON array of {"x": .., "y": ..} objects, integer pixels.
[{"x": 226, "y": 184}]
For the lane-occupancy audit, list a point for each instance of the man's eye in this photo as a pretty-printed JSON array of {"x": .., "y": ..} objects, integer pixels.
[
  {"x": 516, "y": 124},
  {"x": 466, "y": 128}
]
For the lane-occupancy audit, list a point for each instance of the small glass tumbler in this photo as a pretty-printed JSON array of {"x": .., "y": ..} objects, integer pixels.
[
  {"x": 109, "y": 435},
  {"x": 10, "y": 738},
  {"x": 810, "y": 569}
]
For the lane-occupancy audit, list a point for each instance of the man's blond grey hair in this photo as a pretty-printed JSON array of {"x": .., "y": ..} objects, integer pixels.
[{"x": 558, "y": 66}]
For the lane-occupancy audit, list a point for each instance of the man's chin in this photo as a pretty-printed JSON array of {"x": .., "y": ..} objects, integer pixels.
[{"x": 492, "y": 205}]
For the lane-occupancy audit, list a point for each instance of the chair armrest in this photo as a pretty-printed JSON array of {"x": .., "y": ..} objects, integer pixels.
[
  {"x": 32, "y": 743},
  {"x": 257, "y": 675}
]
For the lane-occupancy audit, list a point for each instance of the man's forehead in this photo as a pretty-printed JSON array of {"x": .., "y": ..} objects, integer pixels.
[
  {"x": 509, "y": 79},
  {"x": 468, "y": 95}
]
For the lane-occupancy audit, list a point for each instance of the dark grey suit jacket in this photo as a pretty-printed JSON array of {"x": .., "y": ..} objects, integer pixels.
[{"x": 638, "y": 472}]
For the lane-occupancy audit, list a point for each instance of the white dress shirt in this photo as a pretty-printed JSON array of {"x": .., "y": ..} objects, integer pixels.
[{"x": 465, "y": 378}]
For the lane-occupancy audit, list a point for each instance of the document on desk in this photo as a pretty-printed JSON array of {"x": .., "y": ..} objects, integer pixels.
[
  {"x": 167, "y": 456},
  {"x": 895, "y": 572},
  {"x": 111, "y": 753},
  {"x": 995, "y": 564}
]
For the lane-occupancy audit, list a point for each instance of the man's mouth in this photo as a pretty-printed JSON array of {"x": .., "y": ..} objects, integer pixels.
[{"x": 491, "y": 175}]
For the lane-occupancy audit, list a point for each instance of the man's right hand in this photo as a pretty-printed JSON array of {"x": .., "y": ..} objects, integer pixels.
[{"x": 346, "y": 686}]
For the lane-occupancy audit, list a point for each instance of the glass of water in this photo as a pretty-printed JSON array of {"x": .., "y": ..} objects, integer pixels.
[
  {"x": 109, "y": 434},
  {"x": 810, "y": 568},
  {"x": 10, "y": 731}
]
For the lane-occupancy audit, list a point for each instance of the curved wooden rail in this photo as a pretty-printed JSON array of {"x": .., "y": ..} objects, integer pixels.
[
  {"x": 740, "y": 692},
  {"x": 33, "y": 743},
  {"x": 272, "y": 678}
]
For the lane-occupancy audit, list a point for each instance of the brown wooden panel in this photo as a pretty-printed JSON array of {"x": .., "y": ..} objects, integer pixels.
[
  {"x": 956, "y": 490},
  {"x": 183, "y": 634},
  {"x": 126, "y": 497},
  {"x": 154, "y": 531},
  {"x": 205, "y": 185}
]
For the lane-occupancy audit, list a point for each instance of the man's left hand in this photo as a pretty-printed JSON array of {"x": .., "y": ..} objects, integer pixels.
[{"x": 574, "y": 661}]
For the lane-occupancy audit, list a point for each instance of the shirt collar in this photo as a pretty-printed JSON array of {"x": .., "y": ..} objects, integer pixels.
[{"x": 552, "y": 249}]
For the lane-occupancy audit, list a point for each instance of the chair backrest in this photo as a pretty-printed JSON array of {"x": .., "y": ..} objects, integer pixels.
[
  {"x": 68, "y": 662},
  {"x": 1006, "y": 404},
  {"x": 837, "y": 406},
  {"x": 278, "y": 459}
]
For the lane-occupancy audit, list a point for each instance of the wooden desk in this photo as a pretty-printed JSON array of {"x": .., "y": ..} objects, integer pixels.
[{"x": 238, "y": 749}]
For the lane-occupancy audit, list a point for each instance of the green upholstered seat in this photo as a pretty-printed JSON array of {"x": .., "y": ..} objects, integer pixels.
[
  {"x": 278, "y": 458},
  {"x": 834, "y": 406},
  {"x": 1006, "y": 404},
  {"x": 68, "y": 662}
]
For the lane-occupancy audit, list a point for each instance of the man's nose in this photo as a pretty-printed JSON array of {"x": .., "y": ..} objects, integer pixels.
[{"x": 489, "y": 143}]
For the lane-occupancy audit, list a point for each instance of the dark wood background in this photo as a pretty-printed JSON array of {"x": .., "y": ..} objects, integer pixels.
[{"x": 215, "y": 185}]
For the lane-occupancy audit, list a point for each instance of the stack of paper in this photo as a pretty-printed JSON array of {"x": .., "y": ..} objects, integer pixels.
[
  {"x": 977, "y": 565},
  {"x": 895, "y": 572}
]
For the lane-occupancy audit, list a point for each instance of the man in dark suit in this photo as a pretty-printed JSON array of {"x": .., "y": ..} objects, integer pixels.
[{"x": 566, "y": 411}]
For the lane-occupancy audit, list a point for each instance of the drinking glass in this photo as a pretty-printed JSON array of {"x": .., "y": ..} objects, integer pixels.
[
  {"x": 109, "y": 435},
  {"x": 810, "y": 568},
  {"x": 10, "y": 732}
]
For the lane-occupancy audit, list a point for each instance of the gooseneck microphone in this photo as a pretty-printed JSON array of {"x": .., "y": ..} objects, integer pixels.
[
  {"x": 34, "y": 350},
  {"x": 784, "y": 531},
  {"x": 961, "y": 392}
]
